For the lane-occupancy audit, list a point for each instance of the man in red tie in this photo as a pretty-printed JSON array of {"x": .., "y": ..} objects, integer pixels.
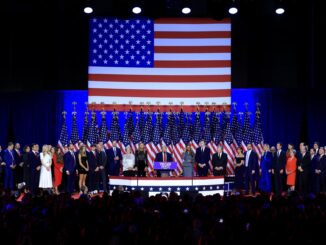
[{"x": 163, "y": 156}]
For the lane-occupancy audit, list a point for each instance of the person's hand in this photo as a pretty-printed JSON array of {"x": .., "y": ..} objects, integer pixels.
[
  {"x": 3, "y": 164},
  {"x": 281, "y": 171},
  {"x": 48, "y": 169},
  {"x": 61, "y": 169},
  {"x": 116, "y": 158},
  {"x": 96, "y": 169},
  {"x": 21, "y": 164},
  {"x": 216, "y": 168},
  {"x": 38, "y": 168},
  {"x": 101, "y": 167},
  {"x": 253, "y": 172},
  {"x": 269, "y": 171},
  {"x": 67, "y": 172},
  {"x": 260, "y": 171}
]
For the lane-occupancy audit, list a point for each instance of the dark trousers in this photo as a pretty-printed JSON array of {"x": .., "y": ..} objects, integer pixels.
[
  {"x": 250, "y": 180},
  {"x": 303, "y": 181},
  {"x": 103, "y": 179},
  {"x": 278, "y": 182},
  {"x": 9, "y": 179},
  {"x": 93, "y": 180},
  {"x": 34, "y": 180},
  {"x": 70, "y": 183},
  {"x": 129, "y": 173},
  {"x": 202, "y": 172},
  {"x": 26, "y": 176}
]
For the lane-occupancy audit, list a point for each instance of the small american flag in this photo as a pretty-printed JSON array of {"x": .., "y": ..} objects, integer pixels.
[
  {"x": 74, "y": 137},
  {"x": 115, "y": 128},
  {"x": 175, "y": 140},
  {"x": 148, "y": 136},
  {"x": 236, "y": 129},
  {"x": 183, "y": 59},
  {"x": 229, "y": 147},
  {"x": 104, "y": 131},
  {"x": 137, "y": 134},
  {"x": 208, "y": 137},
  {"x": 63, "y": 139},
  {"x": 92, "y": 132},
  {"x": 247, "y": 131},
  {"x": 85, "y": 128},
  {"x": 258, "y": 140},
  {"x": 186, "y": 132}
]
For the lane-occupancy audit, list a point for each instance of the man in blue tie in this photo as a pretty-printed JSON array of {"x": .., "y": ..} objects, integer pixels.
[
  {"x": 114, "y": 159},
  {"x": 251, "y": 169},
  {"x": 202, "y": 158},
  {"x": 10, "y": 165},
  {"x": 69, "y": 160}
]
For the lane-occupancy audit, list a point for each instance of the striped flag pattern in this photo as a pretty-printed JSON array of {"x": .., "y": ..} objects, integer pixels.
[
  {"x": 63, "y": 139},
  {"x": 181, "y": 59},
  {"x": 258, "y": 139},
  {"x": 74, "y": 137}
]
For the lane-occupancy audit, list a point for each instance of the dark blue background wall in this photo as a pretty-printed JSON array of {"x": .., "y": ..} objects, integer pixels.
[{"x": 287, "y": 115}]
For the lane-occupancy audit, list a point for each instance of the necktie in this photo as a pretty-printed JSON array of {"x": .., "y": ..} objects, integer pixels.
[
  {"x": 164, "y": 157},
  {"x": 114, "y": 151},
  {"x": 219, "y": 155}
]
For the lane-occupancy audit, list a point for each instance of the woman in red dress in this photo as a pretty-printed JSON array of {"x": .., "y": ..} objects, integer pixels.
[
  {"x": 58, "y": 167},
  {"x": 290, "y": 169}
]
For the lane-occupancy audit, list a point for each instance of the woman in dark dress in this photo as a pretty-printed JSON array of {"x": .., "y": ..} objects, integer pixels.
[
  {"x": 26, "y": 166},
  {"x": 83, "y": 169},
  {"x": 141, "y": 160},
  {"x": 239, "y": 170}
]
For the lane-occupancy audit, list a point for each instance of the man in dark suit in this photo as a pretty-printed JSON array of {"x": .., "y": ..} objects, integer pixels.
[
  {"x": 202, "y": 158},
  {"x": 163, "y": 156},
  {"x": 10, "y": 165},
  {"x": 303, "y": 169},
  {"x": 219, "y": 162},
  {"x": 35, "y": 167},
  {"x": 19, "y": 163},
  {"x": 114, "y": 159},
  {"x": 251, "y": 169},
  {"x": 69, "y": 160},
  {"x": 102, "y": 161},
  {"x": 279, "y": 169},
  {"x": 93, "y": 178}
]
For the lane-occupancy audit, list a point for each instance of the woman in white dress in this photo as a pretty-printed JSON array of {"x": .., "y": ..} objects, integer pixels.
[
  {"x": 46, "y": 175},
  {"x": 128, "y": 163}
]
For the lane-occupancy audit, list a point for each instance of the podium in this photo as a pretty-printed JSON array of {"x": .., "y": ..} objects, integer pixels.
[{"x": 163, "y": 168}]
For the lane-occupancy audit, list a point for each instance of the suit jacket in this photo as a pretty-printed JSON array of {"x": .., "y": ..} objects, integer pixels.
[
  {"x": 159, "y": 157},
  {"x": 279, "y": 161},
  {"x": 220, "y": 162},
  {"x": 92, "y": 160},
  {"x": 70, "y": 162},
  {"x": 111, "y": 156},
  {"x": 252, "y": 162},
  {"x": 202, "y": 157},
  {"x": 18, "y": 156},
  {"x": 102, "y": 158},
  {"x": 8, "y": 158},
  {"x": 304, "y": 162},
  {"x": 34, "y": 160}
]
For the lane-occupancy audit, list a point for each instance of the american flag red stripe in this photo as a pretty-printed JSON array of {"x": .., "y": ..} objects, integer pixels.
[{"x": 192, "y": 51}]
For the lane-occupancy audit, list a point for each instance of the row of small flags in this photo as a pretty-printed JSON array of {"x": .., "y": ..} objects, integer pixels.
[{"x": 220, "y": 128}]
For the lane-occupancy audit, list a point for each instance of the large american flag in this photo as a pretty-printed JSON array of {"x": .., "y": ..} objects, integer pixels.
[{"x": 166, "y": 60}]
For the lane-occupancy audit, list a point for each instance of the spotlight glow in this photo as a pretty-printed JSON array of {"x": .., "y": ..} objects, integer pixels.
[
  {"x": 280, "y": 11},
  {"x": 136, "y": 10},
  {"x": 233, "y": 10},
  {"x": 88, "y": 10},
  {"x": 186, "y": 10}
]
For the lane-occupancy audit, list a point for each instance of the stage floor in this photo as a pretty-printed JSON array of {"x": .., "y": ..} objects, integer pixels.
[{"x": 204, "y": 185}]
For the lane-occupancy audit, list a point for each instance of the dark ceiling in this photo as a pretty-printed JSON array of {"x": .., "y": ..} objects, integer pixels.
[{"x": 44, "y": 43}]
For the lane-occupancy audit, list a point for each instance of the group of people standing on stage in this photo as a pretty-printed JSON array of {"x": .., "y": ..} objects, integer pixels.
[{"x": 279, "y": 170}]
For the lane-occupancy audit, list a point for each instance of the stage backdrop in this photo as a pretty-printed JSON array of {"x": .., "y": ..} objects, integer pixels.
[{"x": 287, "y": 115}]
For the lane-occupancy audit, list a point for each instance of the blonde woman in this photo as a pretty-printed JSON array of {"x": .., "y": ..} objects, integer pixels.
[
  {"x": 83, "y": 169},
  {"x": 45, "y": 175}
]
